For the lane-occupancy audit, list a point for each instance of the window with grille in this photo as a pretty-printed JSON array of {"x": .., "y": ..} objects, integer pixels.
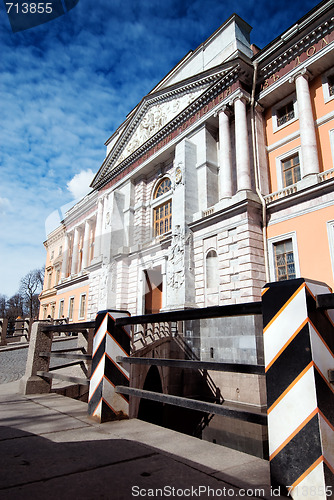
[
  {"x": 291, "y": 170},
  {"x": 162, "y": 188},
  {"x": 284, "y": 260},
  {"x": 162, "y": 214},
  {"x": 285, "y": 113}
]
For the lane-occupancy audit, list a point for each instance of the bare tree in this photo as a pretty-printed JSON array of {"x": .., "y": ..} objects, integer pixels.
[
  {"x": 3, "y": 305},
  {"x": 15, "y": 306},
  {"x": 30, "y": 286},
  {"x": 14, "y": 309}
]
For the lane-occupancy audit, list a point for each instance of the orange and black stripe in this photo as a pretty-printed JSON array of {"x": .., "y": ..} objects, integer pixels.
[
  {"x": 109, "y": 342},
  {"x": 299, "y": 347}
]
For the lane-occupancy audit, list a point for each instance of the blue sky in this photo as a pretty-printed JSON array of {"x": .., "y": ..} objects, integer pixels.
[{"x": 65, "y": 86}]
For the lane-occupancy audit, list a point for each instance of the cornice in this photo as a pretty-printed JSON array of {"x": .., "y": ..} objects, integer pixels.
[
  {"x": 72, "y": 281},
  {"x": 240, "y": 204},
  {"x": 297, "y": 48},
  {"x": 83, "y": 209},
  {"x": 293, "y": 31},
  {"x": 55, "y": 236},
  {"x": 47, "y": 293}
]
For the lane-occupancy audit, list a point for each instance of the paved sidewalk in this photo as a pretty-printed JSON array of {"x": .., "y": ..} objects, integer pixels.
[{"x": 51, "y": 449}]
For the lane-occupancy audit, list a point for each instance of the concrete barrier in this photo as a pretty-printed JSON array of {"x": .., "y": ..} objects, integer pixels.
[
  {"x": 3, "y": 331},
  {"x": 31, "y": 383}
]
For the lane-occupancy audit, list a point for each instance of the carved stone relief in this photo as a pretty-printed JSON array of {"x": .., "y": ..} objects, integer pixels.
[
  {"x": 155, "y": 118},
  {"x": 175, "y": 260}
]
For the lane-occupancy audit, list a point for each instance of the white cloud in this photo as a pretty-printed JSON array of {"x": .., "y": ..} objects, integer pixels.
[
  {"x": 4, "y": 203},
  {"x": 79, "y": 185}
]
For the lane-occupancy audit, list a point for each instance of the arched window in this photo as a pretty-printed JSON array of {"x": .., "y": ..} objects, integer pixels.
[{"x": 162, "y": 214}]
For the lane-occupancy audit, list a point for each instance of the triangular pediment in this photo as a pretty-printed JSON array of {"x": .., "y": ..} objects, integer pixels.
[
  {"x": 155, "y": 117},
  {"x": 152, "y": 114}
]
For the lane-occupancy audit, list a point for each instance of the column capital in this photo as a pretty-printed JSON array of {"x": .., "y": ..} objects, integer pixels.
[
  {"x": 302, "y": 72},
  {"x": 240, "y": 95},
  {"x": 225, "y": 108}
]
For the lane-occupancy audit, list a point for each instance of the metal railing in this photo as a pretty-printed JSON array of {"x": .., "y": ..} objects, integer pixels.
[
  {"x": 83, "y": 332},
  {"x": 169, "y": 323}
]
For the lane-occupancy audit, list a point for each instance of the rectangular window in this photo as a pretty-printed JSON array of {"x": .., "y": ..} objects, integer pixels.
[
  {"x": 61, "y": 309},
  {"x": 163, "y": 218},
  {"x": 45, "y": 312},
  {"x": 291, "y": 170},
  {"x": 284, "y": 260},
  {"x": 285, "y": 114},
  {"x": 91, "y": 244},
  {"x": 53, "y": 310},
  {"x": 82, "y": 306},
  {"x": 71, "y": 308},
  {"x": 57, "y": 276},
  {"x": 328, "y": 85},
  {"x": 49, "y": 279},
  {"x": 330, "y": 81}
]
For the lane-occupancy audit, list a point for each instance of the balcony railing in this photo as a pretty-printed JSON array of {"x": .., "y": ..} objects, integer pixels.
[{"x": 283, "y": 193}]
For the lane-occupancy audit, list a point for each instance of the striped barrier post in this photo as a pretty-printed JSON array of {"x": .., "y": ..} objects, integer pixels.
[
  {"x": 298, "y": 348},
  {"x": 109, "y": 342}
]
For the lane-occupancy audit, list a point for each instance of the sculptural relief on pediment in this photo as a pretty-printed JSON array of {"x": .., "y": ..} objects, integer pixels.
[{"x": 155, "y": 118}]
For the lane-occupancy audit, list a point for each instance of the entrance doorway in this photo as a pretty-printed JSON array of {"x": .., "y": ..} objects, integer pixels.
[{"x": 153, "y": 291}]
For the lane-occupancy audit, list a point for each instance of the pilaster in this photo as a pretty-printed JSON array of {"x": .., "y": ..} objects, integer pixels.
[{"x": 225, "y": 154}]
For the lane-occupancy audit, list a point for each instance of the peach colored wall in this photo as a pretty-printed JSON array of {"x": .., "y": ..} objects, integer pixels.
[
  {"x": 272, "y": 136},
  {"x": 272, "y": 161},
  {"x": 66, "y": 296},
  {"x": 312, "y": 235},
  {"x": 320, "y": 109}
]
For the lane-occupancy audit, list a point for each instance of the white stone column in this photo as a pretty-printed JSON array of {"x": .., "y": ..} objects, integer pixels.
[
  {"x": 306, "y": 125},
  {"x": 65, "y": 257},
  {"x": 225, "y": 155},
  {"x": 98, "y": 229},
  {"x": 85, "y": 250},
  {"x": 241, "y": 144},
  {"x": 75, "y": 255}
]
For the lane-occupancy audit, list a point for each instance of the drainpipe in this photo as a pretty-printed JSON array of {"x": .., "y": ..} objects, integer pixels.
[{"x": 257, "y": 175}]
